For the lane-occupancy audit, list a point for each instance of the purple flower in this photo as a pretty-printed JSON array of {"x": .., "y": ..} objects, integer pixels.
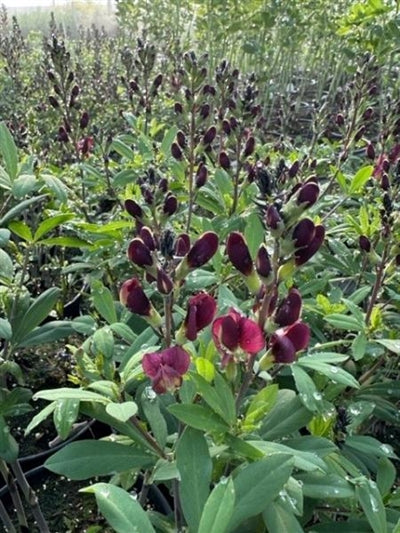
[
  {"x": 134, "y": 298},
  {"x": 286, "y": 342},
  {"x": 200, "y": 313},
  {"x": 202, "y": 250},
  {"x": 239, "y": 254},
  {"x": 263, "y": 265},
  {"x": 302, "y": 255},
  {"x": 289, "y": 309},
  {"x": 139, "y": 253},
  {"x": 166, "y": 368},
  {"x": 234, "y": 334}
]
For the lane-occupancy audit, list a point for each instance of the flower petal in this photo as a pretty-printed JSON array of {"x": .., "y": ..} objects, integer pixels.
[
  {"x": 177, "y": 358},
  {"x": 282, "y": 349},
  {"x": 251, "y": 337},
  {"x": 151, "y": 364},
  {"x": 299, "y": 335}
]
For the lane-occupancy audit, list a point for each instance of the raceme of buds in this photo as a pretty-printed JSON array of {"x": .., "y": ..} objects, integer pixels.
[
  {"x": 139, "y": 253},
  {"x": 286, "y": 342},
  {"x": 289, "y": 309},
  {"x": 166, "y": 368},
  {"x": 133, "y": 208},
  {"x": 234, "y": 335},
  {"x": 302, "y": 255},
  {"x": 201, "y": 311},
  {"x": 134, "y": 298}
]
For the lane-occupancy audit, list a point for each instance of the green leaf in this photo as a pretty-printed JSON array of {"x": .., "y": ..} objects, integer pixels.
[
  {"x": 5, "y": 181},
  {"x": 260, "y": 405},
  {"x": 9, "y": 151},
  {"x": 87, "y": 458},
  {"x": 167, "y": 141},
  {"x": 50, "y": 223},
  {"x": 123, "y": 331},
  {"x": 390, "y": 344},
  {"x": 258, "y": 484},
  {"x": 67, "y": 242},
  {"x": 303, "y": 460},
  {"x": 334, "y": 373},
  {"x": 254, "y": 233},
  {"x": 104, "y": 302},
  {"x": 320, "y": 486},
  {"x": 122, "y": 149},
  {"x": 103, "y": 342},
  {"x": 219, "y": 397},
  {"x": 122, "y": 411},
  {"x": 279, "y": 519},
  {"x": 42, "y": 415},
  {"x": 8, "y": 445},
  {"x": 349, "y": 323},
  {"x": 218, "y": 508},
  {"x": 122, "y": 512},
  {"x": 287, "y": 416},
  {"x": 199, "y": 417},
  {"x": 5, "y": 329},
  {"x": 6, "y": 266},
  {"x": 150, "y": 403},
  {"x": 195, "y": 466},
  {"x": 56, "y": 186},
  {"x": 20, "y": 207},
  {"x": 64, "y": 393},
  {"x": 309, "y": 395},
  {"x": 65, "y": 414},
  {"x": 4, "y": 236},
  {"x": 35, "y": 314},
  {"x": 21, "y": 229},
  {"x": 50, "y": 332},
  {"x": 358, "y": 346},
  {"x": 370, "y": 500},
  {"x": 386, "y": 476},
  {"x": 360, "y": 179},
  {"x": 23, "y": 185}
]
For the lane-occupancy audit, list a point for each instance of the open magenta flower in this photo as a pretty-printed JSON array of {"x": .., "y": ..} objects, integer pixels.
[
  {"x": 200, "y": 313},
  {"x": 234, "y": 334},
  {"x": 166, "y": 368},
  {"x": 286, "y": 342}
]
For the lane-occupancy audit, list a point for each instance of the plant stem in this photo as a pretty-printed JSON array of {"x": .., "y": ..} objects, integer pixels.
[
  {"x": 177, "y": 506},
  {"x": 168, "y": 319},
  {"x": 9, "y": 526},
  {"x": 15, "y": 496},
  {"x": 380, "y": 274},
  {"x": 247, "y": 379},
  {"x": 30, "y": 497},
  {"x": 191, "y": 163},
  {"x": 236, "y": 179},
  {"x": 153, "y": 443}
]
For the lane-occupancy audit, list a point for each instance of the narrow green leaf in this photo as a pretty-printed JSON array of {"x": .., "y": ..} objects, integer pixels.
[
  {"x": 64, "y": 393},
  {"x": 199, "y": 417},
  {"x": 9, "y": 151},
  {"x": 260, "y": 405},
  {"x": 258, "y": 484},
  {"x": 334, "y": 373},
  {"x": 320, "y": 486},
  {"x": 36, "y": 313},
  {"x": 5, "y": 329},
  {"x": 309, "y": 395},
  {"x": 50, "y": 332},
  {"x": 21, "y": 229},
  {"x": 122, "y": 149},
  {"x": 65, "y": 414},
  {"x": 122, "y": 512},
  {"x": 104, "y": 302},
  {"x": 195, "y": 466},
  {"x": 56, "y": 186},
  {"x": 167, "y": 141},
  {"x": 279, "y": 519},
  {"x": 349, "y": 323},
  {"x": 254, "y": 233},
  {"x": 8, "y": 445},
  {"x": 391, "y": 344},
  {"x": 386, "y": 476},
  {"x": 4, "y": 236},
  {"x": 87, "y": 458},
  {"x": 19, "y": 208},
  {"x": 287, "y": 416},
  {"x": 42, "y": 415},
  {"x": 360, "y": 178},
  {"x": 67, "y": 242},
  {"x": 50, "y": 223},
  {"x": 23, "y": 185},
  {"x": 370, "y": 500},
  {"x": 6, "y": 266},
  {"x": 218, "y": 509}
]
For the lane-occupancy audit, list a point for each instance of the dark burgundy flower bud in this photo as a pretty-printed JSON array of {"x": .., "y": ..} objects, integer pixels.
[
  {"x": 182, "y": 245},
  {"x": 62, "y": 135},
  {"x": 157, "y": 81},
  {"x": 370, "y": 151},
  {"x": 359, "y": 133},
  {"x": 178, "y": 108},
  {"x": 273, "y": 219},
  {"x": 209, "y": 135},
  {"x": 133, "y": 208},
  {"x": 394, "y": 153},
  {"x": 204, "y": 111},
  {"x": 181, "y": 139},
  {"x": 303, "y": 233},
  {"x": 397, "y": 260},
  {"x": 163, "y": 185},
  {"x": 250, "y": 146},
  {"x": 226, "y": 126},
  {"x": 84, "y": 120},
  {"x": 202, "y": 250},
  {"x": 293, "y": 170},
  {"x": 302, "y": 255},
  {"x": 385, "y": 183},
  {"x": 75, "y": 91},
  {"x": 263, "y": 264},
  {"x": 368, "y": 113},
  {"x": 289, "y": 309},
  {"x": 340, "y": 119},
  {"x": 224, "y": 161},
  {"x": 385, "y": 165},
  {"x": 364, "y": 243},
  {"x": 373, "y": 90},
  {"x": 201, "y": 175},
  {"x": 51, "y": 76},
  {"x": 134, "y": 298},
  {"x": 238, "y": 253},
  {"x": 164, "y": 282},
  {"x": 209, "y": 89},
  {"x": 287, "y": 341},
  {"x": 148, "y": 195},
  {"x": 200, "y": 314},
  {"x": 170, "y": 205},
  {"x": 85, "y": 145},
  {"x": 57, "y": 89},
  {"x": 308, "y": 194},
  {"x": 134, "y": 87},
  {"x": 176, "y": 151},
  {"x": 147, "y": 237},
  {"x": 54, "y": 102},
  {"x": 71, "y": 77},
  {"x": 139, "y": 253},
  {"x": 233, "y": 123}
]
